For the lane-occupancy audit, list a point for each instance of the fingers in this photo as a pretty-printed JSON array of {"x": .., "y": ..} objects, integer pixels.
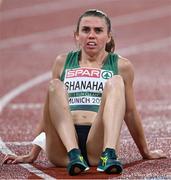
[
  {"x": 8, "y": 159},
  {"x": 15, "y": 161},
  {"x": 157, "y": 154},
  {"x": 12, "y": 159}
]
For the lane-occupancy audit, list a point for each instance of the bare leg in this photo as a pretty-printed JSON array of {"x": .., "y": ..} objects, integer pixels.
[
  {"x": 59, "y": 127},
  {"x": 105, "y": 131},
  {"x": 60, "y": 114},
  {"x": 113, "y": 113}
]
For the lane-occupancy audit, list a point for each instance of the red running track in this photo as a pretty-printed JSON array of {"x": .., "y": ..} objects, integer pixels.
[{"x": 33, "y": 32}]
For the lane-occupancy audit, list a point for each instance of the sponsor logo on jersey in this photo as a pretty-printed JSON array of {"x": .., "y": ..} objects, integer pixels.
[
  {"x": 107, "y": 74},
  {"x": 83, "y": 72}
]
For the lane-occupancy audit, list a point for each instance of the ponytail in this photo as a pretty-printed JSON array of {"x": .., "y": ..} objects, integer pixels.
[{"x": 110, "y": 46}]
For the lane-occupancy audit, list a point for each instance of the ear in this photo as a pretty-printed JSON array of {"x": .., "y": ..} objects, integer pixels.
[{"x": 76, "y": 36}]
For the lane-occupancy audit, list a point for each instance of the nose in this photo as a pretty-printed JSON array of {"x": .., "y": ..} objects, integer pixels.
[{"x": 91, "y": 34}]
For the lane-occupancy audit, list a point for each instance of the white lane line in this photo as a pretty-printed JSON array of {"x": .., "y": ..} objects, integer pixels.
[
  {"x": 138, "y": 17},
  {"x": 36, "y": 37},
  {"x": 5, "y": 150},
  {"x": 145, "y": 47},
  {"x": 146, "y": 15},
  {"x": 151, "y": 138},
  {"x": 44, "y": 8},
  {"x": 27, "y": 143},
  {"x": 22, "y": 88},
  {"x": 15, "y": 143},
  {"x": 157, "y": 105},
  {"x": 24, "y": 106}
]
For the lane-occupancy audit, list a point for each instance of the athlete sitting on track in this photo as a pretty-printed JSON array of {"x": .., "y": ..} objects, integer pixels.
[{"x": 89, "y": 96}]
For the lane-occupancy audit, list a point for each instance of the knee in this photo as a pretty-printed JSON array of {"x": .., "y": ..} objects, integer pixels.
[
  {"x": 55, "y": 85},
  {"x": 116, "y": 82}
]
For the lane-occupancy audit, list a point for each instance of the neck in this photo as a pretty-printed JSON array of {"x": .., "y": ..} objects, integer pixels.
[{"x": 96, "y": 60}]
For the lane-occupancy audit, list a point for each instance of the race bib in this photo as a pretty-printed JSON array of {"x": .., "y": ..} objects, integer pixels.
[{"x": 85, "y": 85}]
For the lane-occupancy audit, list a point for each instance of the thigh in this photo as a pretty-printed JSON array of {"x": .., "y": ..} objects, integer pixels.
[
  {"x": 55, "y": 149},
  {"x": 96, "y": 138}
]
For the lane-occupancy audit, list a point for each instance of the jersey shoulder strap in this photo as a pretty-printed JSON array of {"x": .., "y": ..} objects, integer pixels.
[
  {"x": 70, "y": 63},
  {"x": 111, "y": 63}
]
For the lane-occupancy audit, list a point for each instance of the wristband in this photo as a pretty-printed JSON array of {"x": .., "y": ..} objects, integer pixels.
[{"x": 40, "y": 140}]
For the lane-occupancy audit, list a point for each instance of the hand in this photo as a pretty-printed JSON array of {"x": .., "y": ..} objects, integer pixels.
[
  {"x": 12, "y": 159},
  {"x": 155, "y": 154}
]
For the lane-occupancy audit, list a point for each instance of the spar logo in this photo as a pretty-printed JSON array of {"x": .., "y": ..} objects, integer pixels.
[
  {"x": 83, "y": 72},
  {"x": 107, "y": 74}
]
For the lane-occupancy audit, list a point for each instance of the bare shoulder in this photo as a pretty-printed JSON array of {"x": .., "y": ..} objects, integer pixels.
[
  {"x": 58, "y": 65},
  {"x": 126, "y": 69}
]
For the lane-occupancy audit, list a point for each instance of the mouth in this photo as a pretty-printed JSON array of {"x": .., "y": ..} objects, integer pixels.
[{"x": 91, "y": 44}]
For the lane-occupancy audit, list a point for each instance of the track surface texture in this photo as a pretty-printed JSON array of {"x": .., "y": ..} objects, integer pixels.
[{"x": 34, "y": 32}]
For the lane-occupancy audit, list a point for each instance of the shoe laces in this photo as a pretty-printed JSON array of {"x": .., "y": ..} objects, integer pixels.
[{"x": 111, "y": 154}]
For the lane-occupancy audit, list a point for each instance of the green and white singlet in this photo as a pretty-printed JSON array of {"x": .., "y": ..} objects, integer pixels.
[{"x": 85, "y": 85}]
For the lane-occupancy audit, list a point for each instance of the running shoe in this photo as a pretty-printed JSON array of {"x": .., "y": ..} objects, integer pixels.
[
  {"x": 109, "y": 163},
  {"x": 77, "y": 163}
]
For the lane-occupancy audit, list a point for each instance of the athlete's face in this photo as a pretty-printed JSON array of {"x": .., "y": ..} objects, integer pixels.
[{"x": 93, "y": 34}]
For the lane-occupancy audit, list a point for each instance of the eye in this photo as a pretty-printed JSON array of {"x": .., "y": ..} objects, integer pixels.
[
  {"x": 86, "y": 29},
  {"x": 98, "y": 30}
]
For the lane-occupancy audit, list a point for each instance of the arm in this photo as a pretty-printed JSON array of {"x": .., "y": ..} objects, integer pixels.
[
  {"x": 33, "y": 154},
  {"x": 28, "y": 158},
  {"x": 132, "y": 117},
  {"x": 56, "y": 71}
]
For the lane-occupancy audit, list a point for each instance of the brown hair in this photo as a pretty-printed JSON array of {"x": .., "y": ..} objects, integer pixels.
[{"x": 110, "y": 46}]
